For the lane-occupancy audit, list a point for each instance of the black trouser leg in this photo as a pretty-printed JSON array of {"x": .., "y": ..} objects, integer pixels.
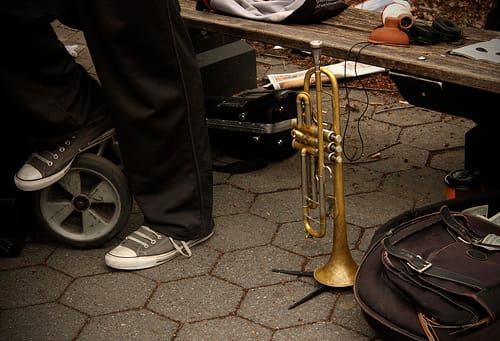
[
  {"x": 51, "y": 94},
  {"x": 145, "y": 61}
]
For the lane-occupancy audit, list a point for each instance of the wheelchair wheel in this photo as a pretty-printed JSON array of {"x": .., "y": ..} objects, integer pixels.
[{"x": 88, "y": 206}]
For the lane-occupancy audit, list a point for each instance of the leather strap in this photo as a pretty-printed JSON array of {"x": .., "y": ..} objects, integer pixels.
[
  {"x": 489, "y": 242},
  {"x": 462, "y": 231},
  {"x": 422, "y": 266}
]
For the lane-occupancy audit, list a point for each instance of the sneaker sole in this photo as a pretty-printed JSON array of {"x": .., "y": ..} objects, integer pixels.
[{"x": 144, "y": 262}]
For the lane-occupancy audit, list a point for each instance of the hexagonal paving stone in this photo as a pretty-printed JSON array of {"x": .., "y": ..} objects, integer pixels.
[
  {"x": 293, "y": 237},
  {"x": 202, "y": 260},
  {"x": 253, "y": 267},
  {"x": 448, "y": 160},
  {"x": 195, "y": 299},
  {"x": 129, "y": 325},
  {"x": 220, "y": 178},
  {"x": 436, "y": 136},
  {"x": 360, "y": 179},
  {"x": 371, "y": 209},
  {"x": 406, "y": 115},
  {"x": 376, "y": 136},
  {"x": 50, "y": 321},
  {"x": 31, "y": 254},
  {"x": 102, "y": 294},
  {"x": 269, "y": 305},
  {"x": 280, "y": 207},
  {"x": 31, "y": 285},
  {"x": 318, "y": 331},
  {"x": 241, "y": 231},
  {"x": 77, "y": 263},
  {"x": 396, "y": 158},
  {"x": 228, "y": 328},
  {"x": 398, "y": 184},
  {"x": 366, "y": 238},
  {"x": 356, "y": 95},
  {"x": 239, "y": 203}
]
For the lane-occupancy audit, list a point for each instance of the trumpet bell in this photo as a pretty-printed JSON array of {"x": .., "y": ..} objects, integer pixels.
[{"x": 340, "y": 270}]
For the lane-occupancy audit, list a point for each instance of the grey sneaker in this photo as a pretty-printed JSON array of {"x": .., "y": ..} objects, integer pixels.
[
  {"x": 44, "y": 168},
  {"x": 146, "y": 248}
]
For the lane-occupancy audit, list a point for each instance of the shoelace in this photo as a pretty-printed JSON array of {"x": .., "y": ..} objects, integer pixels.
[
  {"x": 54, "y": 154},
  {"x": 183, "y": 249}
]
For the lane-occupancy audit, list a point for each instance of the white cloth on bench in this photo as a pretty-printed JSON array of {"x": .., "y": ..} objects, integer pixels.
[
  {"x": 266, "y": 10},
  {"x": 280, "y": 10}
]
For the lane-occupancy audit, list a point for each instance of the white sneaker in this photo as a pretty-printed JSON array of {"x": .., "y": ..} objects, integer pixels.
[{"x": 146, "y": 248}]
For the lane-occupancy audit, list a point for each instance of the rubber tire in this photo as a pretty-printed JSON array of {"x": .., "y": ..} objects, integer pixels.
[{"x": 71, "y": 211}]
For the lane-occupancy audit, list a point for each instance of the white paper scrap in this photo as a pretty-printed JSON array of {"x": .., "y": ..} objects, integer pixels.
[{"x": 486, "y": 50}]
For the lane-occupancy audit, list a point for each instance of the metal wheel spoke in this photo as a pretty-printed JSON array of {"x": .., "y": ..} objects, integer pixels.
[
  {"x": 102, "y": 193},
  {"x": 59, "y": 211},
  {"x": 92, "y": 222},
  {"x": 72, "y": 183}
]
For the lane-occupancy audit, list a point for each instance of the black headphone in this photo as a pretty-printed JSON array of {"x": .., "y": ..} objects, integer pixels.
[{"x": 441, "y": 30}]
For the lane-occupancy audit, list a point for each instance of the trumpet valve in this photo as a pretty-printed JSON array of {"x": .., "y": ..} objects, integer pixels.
[
  {"x": 330, "y": 135},
  {"x": 333, "y": 147},
  {"x": 334, "y": 157}
]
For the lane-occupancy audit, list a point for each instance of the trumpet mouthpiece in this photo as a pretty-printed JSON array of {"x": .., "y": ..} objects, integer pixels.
[{"x": 316, "y": 51}]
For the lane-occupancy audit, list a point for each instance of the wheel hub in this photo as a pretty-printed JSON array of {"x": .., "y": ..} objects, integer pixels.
[{"x": 81, "y": 203}]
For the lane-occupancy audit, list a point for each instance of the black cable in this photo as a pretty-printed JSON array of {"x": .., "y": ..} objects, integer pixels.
[{"x": 348, "y": 110}]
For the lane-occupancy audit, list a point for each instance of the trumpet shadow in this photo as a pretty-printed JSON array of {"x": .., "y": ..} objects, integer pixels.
[{"x": 319, "y": 290}]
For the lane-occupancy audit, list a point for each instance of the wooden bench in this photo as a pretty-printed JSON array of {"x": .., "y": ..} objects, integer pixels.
[
  {"x": 426, "y": 75},
  {"x": 342, "y": 38}
]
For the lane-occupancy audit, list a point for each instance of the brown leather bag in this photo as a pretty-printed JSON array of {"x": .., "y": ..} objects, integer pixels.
[{"x": 435, "y": 276}]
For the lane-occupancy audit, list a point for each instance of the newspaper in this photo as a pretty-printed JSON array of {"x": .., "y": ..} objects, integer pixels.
[
  {"x": 340, "y": 70},
  {"x": 480, "y": 211}
]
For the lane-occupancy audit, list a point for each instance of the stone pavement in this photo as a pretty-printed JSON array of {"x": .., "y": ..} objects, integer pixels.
[{"x": 397, "y": 155}]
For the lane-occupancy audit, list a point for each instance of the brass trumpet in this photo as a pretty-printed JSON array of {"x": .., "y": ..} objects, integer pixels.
[{"x": 319, "y": 141}]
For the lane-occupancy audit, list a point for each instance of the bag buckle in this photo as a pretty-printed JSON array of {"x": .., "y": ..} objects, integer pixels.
[{"x": 419, "y": 264}]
